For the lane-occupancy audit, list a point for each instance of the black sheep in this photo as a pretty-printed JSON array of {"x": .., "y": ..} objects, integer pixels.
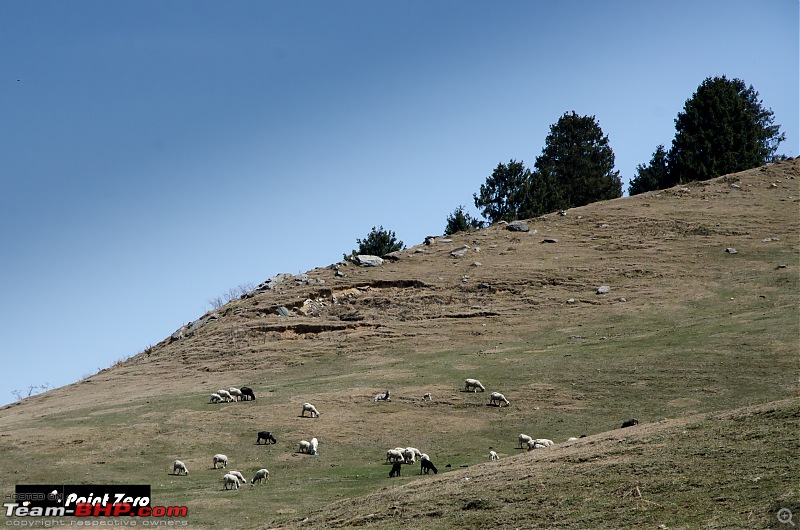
[
  {"x": 247, "y": 393},
  {"x": 395, "y": 472},
  {"x": 426, "y": 465},
  {"x": 267, "y": 437},
  {"x": 630, "y": 423}
]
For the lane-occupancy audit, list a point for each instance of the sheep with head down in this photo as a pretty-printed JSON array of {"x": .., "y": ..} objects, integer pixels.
[
  {"x": 311, "y": 409},
  {"x": 473, "y": 385}
]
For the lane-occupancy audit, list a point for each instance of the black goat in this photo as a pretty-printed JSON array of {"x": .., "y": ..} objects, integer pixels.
[
  {"x": 267, "y": 437},
  {"x": 247, "y": 393}
]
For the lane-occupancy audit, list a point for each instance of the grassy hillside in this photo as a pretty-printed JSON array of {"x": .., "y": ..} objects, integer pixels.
[{"x": 699, "y": 344}]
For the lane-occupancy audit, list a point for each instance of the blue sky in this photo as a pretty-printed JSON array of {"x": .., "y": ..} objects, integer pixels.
[{"x": 154, "y": 154}]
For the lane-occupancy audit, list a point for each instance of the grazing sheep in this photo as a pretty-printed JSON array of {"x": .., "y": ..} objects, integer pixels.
[
  {"x": 395, "y": 472},
  {"x": 219, "y": 459},
  {"x": 230, "y": 480},
  {"x": 314, "y": 446},
  {"x": 393, "y": 455},
  {"x": 239, "y": 476},
  {"x": 216, "y": 398},
  {"x": 630, "y": 423},
  {"x": 523, "y": 439},
  {"x": 427, "y": 396},
  {"x": 304, "y": 447},
  {"x": 235, "y": 393},
  {"x": 474, "y": 385},
  {"x": 247, "y": 393},
  {"x": 424, "y": 456},
  {"x": 409, "y": 456},
  {"x": 493, "y": 456},
  {"x": 496, "y": 398},
  {"x": 383, "y": 397},
  {"x": 308, "y": 407},
  {"x": 267, "y": 437},
  {"x": 426, "y": 465},
  {"x": 262, "y": 475},
  {"x": 224, "y": 394},
  {"x": 179, "y": 468}
]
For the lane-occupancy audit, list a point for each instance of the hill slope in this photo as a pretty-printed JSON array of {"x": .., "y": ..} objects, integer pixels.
[{"x": 687, "y": 331}]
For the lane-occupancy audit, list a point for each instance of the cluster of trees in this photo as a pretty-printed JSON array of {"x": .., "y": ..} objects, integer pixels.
[{"x": 723, "y": 128}]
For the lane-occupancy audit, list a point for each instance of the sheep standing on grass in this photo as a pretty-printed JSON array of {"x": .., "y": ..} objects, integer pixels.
[
  {"x": 304, "y": 447},
  {"x": 426, "y": 465},
  {"x": 523, "y": 440},
  {"x": 393, "y": 455},
  {"x": 216, "y": 398},
  {"x": 630, "y": 423},
  {"x": 224, "y": 394},
  {"x": 230, "y": 480},
  {"x": 497, "y": 398},
  {"x": 235, "y": 393},
  {"x": 493, "y": 456},
  {"x": 267, "y": 437},
  {"x": 395, "y": 472},
  {"x": 179, "y": 468},
  {"x": 247, "y": 393},
  {"x": 308, "y": 407},
  {"x": 219, "y": 459},
  {"x": 314, "y": 446},
  {"x": 238, "y": 475},
  {"x": 474, "y": 385},
  {"x": 262, "y": 475}
]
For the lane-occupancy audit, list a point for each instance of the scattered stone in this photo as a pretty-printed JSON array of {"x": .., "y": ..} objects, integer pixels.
[
  {"x": 430, "y": 240},
  {"x": 562, "y": 213},
  {"x": 781, "y": 266},
  {"x": 622, "y": 299},
  {"x": 603, "y": 289},
  {"x": 476, "y": 264},
  {"x": 550, "y": 240},
  {"x": 571, "y": 301},
  {"x": 282, "y": 311},
  {"x": 518, "y": 226},
  {"x": 735, "y": 187},
  {"x": 365, "y": 260},
  {"x": 446, "y": 240},
  {"x": 769, "y": 239},
  {"x": 730, "y": 250},
  {"x": 460, "y": 252}
]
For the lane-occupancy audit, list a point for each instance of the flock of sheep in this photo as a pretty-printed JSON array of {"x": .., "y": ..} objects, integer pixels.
[{"x": 395, "y": 456}]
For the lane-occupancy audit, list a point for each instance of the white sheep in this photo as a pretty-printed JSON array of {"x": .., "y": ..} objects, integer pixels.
[
  {"x": 308, "y": 407},
  {"x": 304, "y": 447},
  {"x": 216, "y": 398},
  {"x": 493, "y": 456},
  {"x": 474, "y": 385},
  {"x": 523, "y": 439},
  {"x": 539, "y": 443},
  {"x": 230, "y": 480},
  {"x": 393, "y": 455},
  {"x": 179, "y": 468},
  {"x": 219, "y": 459},
  {"x": 235, "y": 393},
  {"x": 410, "y": 454},
  {"x": 261, "y": 476},
  {"x": 497, "y": 397},
  {"x": 384, "y": 397},
  {"x": 314, "y": 446},
  {"x": 572, "y": 439},
  {"x": 238, "y": 475},
  {"x": 224, "y": 394},
  {"x": 427, "y": 396},
  {"x": 424, "y": 456}
]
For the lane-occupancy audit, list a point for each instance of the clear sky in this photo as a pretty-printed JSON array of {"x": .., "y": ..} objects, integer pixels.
[{"x": 156, "y": 153}]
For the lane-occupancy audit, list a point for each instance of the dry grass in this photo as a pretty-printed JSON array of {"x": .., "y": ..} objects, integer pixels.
[{"x": 687, "y": 331}]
